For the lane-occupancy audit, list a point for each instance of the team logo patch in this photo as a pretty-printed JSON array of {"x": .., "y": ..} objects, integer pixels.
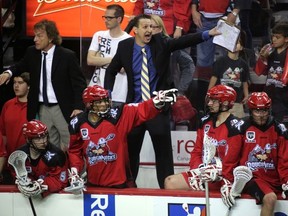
[
  {"x": 184, "y": 209},
  {"x": 84, "y": 133},
  {"x": 250, "y": 136},
  {"x": 48, "y": 155}
]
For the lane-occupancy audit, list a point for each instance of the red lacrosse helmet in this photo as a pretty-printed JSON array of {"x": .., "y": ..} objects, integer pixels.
[
  {"x": 34, "y": 129},
  {"x": 259, "y": 100},
  {"x": 94, "y": 93},
  {"x": 223, "y": 93}
]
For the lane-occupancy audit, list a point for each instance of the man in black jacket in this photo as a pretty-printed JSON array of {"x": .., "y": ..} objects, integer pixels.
[
  {"x": 129, "y": 56},
  {"x": 63, "y": 85}
]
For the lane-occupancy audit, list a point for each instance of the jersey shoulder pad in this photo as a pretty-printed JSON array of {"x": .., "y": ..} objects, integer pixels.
[
  {"x": 203, "y": 120},
  {"x": 77, "y": 121},
  {"x": 281, "y": 129},
  {"x": 54, "y": 157},
  {"x": 234, "y": 125},
  {"x": 115, "y": 113}
]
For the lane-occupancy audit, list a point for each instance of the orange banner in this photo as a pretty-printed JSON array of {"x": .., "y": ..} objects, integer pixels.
[{"x": 74, "y": 18}]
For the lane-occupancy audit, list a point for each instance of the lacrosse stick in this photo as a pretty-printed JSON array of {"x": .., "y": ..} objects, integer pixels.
[
  {"x": 17, "y": 160},
  {"x": 208, "y": 154},
  {"x": 242, "y": 174}
]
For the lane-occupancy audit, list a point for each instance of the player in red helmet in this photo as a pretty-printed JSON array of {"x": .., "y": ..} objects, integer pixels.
[
  {"x": 93, "y": 96},
  {"x": 99, "y": 137},
  {"x": 46, "y": 164},
  {"x": 36, "y": 135},
  {"x": 225, "y": 95},
  {"x": 219, "y": 128},
  {"x": 265, "y": 152}
]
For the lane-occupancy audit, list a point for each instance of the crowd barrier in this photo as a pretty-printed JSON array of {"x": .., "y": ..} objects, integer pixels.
[{"x": 128, "y": 202}]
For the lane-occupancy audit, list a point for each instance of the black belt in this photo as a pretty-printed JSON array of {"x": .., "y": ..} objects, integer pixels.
[{"x": 49, "y": 104}]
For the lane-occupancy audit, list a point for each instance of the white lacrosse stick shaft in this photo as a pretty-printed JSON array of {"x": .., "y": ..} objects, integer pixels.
[{"x": 209, "y": 153}]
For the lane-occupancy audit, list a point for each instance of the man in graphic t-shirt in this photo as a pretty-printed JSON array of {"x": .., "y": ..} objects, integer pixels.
[{"x": 102, "y": 49}]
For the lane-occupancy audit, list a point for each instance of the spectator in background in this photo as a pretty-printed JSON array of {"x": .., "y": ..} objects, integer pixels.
[
  {"x": 271, "y": 61},
  {"x": 13, "y": 116},
  {"x": 102, "y": 49},
  {"x": 265, "y": 152},
  {"x": 185, "y": 77},
  {"x": 205, "y": 15},
  {"x": 233, "y": 71},
  {"x": 57, "y": 98},
  {"x": 157, "y": 50},
  {"x": 244, "y": 16},
  {"x": 176, "y": 18}
]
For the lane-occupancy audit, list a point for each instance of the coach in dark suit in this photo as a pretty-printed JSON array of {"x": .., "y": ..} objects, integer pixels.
[
  {"x": 64, "y": 82},
  {"x": 129, "y": 56}
]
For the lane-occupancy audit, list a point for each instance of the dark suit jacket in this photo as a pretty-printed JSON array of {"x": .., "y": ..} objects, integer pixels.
[
  {"x": 67, "y": 79},
  {"x": 161, "y": 48}
]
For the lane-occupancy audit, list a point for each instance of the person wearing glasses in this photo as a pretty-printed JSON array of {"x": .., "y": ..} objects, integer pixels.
[{"x": 102, "y": 49}]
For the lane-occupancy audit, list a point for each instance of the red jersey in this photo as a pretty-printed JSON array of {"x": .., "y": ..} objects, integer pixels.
[
  {"x": 51, "y": 166},
  {"x": 213, "y": 7},
  {"x": 227, "y": 139},
  {"x": 3, "y": 152},
  {"x": 104, "y": 145},
  {"x": 265, "y": 151},
  {"x": 173, "y": 12},
  {"x": 13, "y": 116}
]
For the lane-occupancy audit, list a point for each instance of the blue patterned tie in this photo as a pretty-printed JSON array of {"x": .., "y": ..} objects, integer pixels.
[
  {"x": 145, "y": 87},
  {"x": 44, "y": 79}
]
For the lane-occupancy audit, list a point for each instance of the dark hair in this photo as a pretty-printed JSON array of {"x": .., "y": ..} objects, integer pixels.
[
  {"x": 51, "y": 30},
  {"x": 26, "y": 77},
  {"x": 137, "y": 19},
  {"x": 281, "y": 28},
  {"x": 119, "y": 10}
]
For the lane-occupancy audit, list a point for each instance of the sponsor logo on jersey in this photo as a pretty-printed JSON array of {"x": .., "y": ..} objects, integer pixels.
[
  {"x": 184, "y": 209},
  {"x": 95, "y": 204}
]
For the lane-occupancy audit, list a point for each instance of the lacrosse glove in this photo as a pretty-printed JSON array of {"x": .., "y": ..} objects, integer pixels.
[
  {"x": 166, "y": 96},
  {"x": 76, "y": 183},
  {"x": 227, "y": 198},
  {"x": 194, "y": 179},
  {"x": 31, "y": 188},
  {"x": 210, "y": 173}
]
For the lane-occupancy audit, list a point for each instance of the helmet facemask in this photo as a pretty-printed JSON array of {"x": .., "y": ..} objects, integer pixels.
[
  {"x": 40, "y": 143},
  {"x": 97, "y": 107},
  {"x": 97, "y": 100},
  {"x": 260, "y": 107}
]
